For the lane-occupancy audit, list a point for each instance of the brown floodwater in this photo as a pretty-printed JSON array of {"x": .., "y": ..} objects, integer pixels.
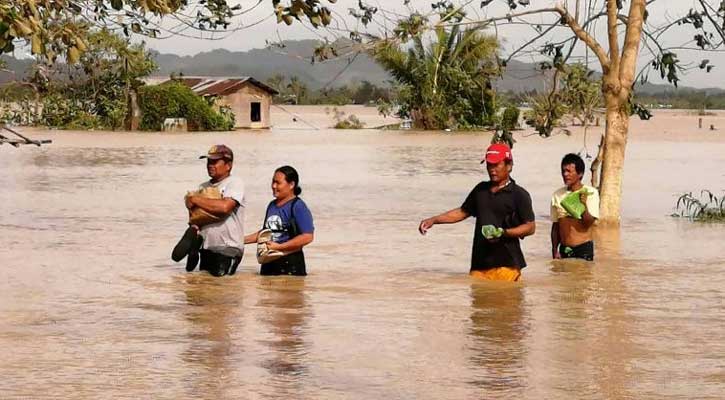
[{"x": 91, "y": 306}]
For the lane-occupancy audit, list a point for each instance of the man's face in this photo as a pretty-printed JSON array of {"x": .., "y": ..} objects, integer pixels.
[
  {"x": 498, "y": 172},
  {"x": 570, "y": 176},
  {"x": 218, "y": 169}
]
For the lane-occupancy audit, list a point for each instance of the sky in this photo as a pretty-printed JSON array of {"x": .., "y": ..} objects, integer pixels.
[{"x": 259, "y": 25}]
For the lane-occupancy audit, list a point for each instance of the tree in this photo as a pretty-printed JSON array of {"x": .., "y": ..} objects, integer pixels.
[
  {"x": 583, "y": 98},
  {"x": 96, "y": 90},
  {"x": 617, "y": 53},
  {"x": 368, "y": 93},
  {"x": 581, "y": 93},
  {"x": 59, "y": 27},
  {"x": 447, "y": 83},
  {"x": 113, "y": 69},
  {"x": 297, "y": 90}
]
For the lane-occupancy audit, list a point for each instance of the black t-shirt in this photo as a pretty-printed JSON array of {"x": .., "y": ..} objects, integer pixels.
[{"x": 507, "y": 208}]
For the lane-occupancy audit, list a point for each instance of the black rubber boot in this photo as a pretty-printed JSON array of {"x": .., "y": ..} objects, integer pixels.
[
  {"x": 185, "y": 244},
  {"x": 235, "y": 263},
  {"x": 193, "y": 258}
]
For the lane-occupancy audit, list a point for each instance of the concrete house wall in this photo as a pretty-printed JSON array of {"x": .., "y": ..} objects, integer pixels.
[{"x": 240, "y": 102}]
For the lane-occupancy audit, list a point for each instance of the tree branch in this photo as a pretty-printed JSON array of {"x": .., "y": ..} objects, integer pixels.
[
  {"x": 567, "y": 18},
  {"x": 705, "y": 10},
  {"x": 585, "y": 37},
  {"x": 612, "y": 33},
  {"x": 506, "y": 17},
  {"x": 542, "y": 34},
  {"x": 631, "y": 42}
]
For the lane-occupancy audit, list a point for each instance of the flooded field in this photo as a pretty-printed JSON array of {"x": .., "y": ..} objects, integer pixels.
[{"x": 91, "y": 306}]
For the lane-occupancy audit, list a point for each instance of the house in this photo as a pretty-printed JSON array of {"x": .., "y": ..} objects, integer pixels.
[{"x": 248, "y": 98}]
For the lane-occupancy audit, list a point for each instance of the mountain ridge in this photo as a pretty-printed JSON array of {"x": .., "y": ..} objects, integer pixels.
[{"x": 294, "y": 58}]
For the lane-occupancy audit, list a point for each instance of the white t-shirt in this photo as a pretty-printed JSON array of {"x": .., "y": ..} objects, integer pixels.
[
  {"x": 557, "y": 211},
  {"x": 227, "y": 237}
]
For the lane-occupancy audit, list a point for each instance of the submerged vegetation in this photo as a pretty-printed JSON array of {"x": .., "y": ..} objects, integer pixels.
[
  {"x": 706, "y": 208},
  {"x": 351, "y": 122}
]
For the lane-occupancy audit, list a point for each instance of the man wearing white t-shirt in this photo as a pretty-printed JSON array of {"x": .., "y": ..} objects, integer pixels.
[
  {"x": 219, "y": 244},
  {"x": 571, "y": 235}
]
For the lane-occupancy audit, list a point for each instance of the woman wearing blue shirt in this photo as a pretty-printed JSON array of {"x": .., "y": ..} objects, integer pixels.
[{"x": 291, "y": 224}]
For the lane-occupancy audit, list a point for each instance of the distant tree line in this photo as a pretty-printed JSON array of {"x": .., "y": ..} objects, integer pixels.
[
  {"x": 292, "y": 90},
  {"x": 685, "y": 99}
]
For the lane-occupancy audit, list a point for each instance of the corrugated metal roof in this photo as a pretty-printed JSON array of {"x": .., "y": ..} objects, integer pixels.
[{"x": 220, "y": 86}]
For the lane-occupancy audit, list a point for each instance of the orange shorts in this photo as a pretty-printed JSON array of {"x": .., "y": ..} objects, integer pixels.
[{"x": 509, "y": 274}]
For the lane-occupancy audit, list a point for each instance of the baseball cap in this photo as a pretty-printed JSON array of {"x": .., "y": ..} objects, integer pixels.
[
  {"x": 219, "y": 151},
  {"x": 496, "y": 153}
]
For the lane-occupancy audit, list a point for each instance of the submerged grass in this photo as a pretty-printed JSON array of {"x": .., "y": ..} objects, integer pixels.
[{"x": 706, "y": 208}]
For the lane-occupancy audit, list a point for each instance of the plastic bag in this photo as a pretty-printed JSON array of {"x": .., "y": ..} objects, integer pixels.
[
  {"x": 491, "y": 232},
  {"x": 572, "y": 203}
]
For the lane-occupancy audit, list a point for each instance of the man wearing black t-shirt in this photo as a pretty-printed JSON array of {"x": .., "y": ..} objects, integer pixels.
[{"x": 503, "y": 214}]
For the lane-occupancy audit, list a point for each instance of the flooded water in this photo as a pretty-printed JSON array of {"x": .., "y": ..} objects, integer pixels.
[{"x": 91, "y": 305}]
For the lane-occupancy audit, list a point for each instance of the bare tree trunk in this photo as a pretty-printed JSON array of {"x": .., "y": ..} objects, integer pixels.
[
  {"x": 133, "y": 114},
  {"x": 594, "y": 168},
  {"x": 619, "y": 75},
  {"x": 36, "y": 116},
  {"x": 615, "y": 142}
]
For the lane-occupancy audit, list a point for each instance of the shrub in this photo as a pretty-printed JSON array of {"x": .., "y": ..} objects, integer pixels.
[
  {"x": 58, "y": 110},
  {"x": 351, "y": 122},
  {"x": 83, "y": 121}
]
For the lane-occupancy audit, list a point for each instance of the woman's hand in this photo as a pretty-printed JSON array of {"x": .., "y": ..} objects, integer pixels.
[{"x": 272, "y": 245}]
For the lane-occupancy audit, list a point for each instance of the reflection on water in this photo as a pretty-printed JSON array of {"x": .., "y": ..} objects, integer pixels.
[
  {"x": 212, "y": 308},
  {"x": 499, "y": 329},
  {"x": 91, "y": 306},
  {"x": 286, "y": 311}
]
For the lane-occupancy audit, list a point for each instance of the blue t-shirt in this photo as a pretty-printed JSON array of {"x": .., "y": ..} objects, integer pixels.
[{"x": 277, "y": 219}]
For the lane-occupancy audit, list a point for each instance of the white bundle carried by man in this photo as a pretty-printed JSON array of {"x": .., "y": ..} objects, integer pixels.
[{"x": 264, "y": 253}]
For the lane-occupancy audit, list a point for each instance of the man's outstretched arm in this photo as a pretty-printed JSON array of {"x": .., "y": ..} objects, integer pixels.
[{"x": 448, "y": 217}]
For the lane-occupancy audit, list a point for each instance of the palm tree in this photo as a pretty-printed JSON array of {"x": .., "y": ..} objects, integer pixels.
[
  {"x": 297, "y": 89},
  {"x": 447, "y": 83}
]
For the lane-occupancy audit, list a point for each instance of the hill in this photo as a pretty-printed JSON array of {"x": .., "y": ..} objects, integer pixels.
[{"x": 293, "y": 58}]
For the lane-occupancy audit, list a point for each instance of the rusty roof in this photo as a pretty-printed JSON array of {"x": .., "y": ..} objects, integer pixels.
[
  {"x": 221, "y": 86},
  {"x": 190, "y": 82}
]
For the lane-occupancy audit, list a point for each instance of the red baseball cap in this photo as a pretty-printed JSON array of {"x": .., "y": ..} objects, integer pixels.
[{"x": 496, "y": 153}]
